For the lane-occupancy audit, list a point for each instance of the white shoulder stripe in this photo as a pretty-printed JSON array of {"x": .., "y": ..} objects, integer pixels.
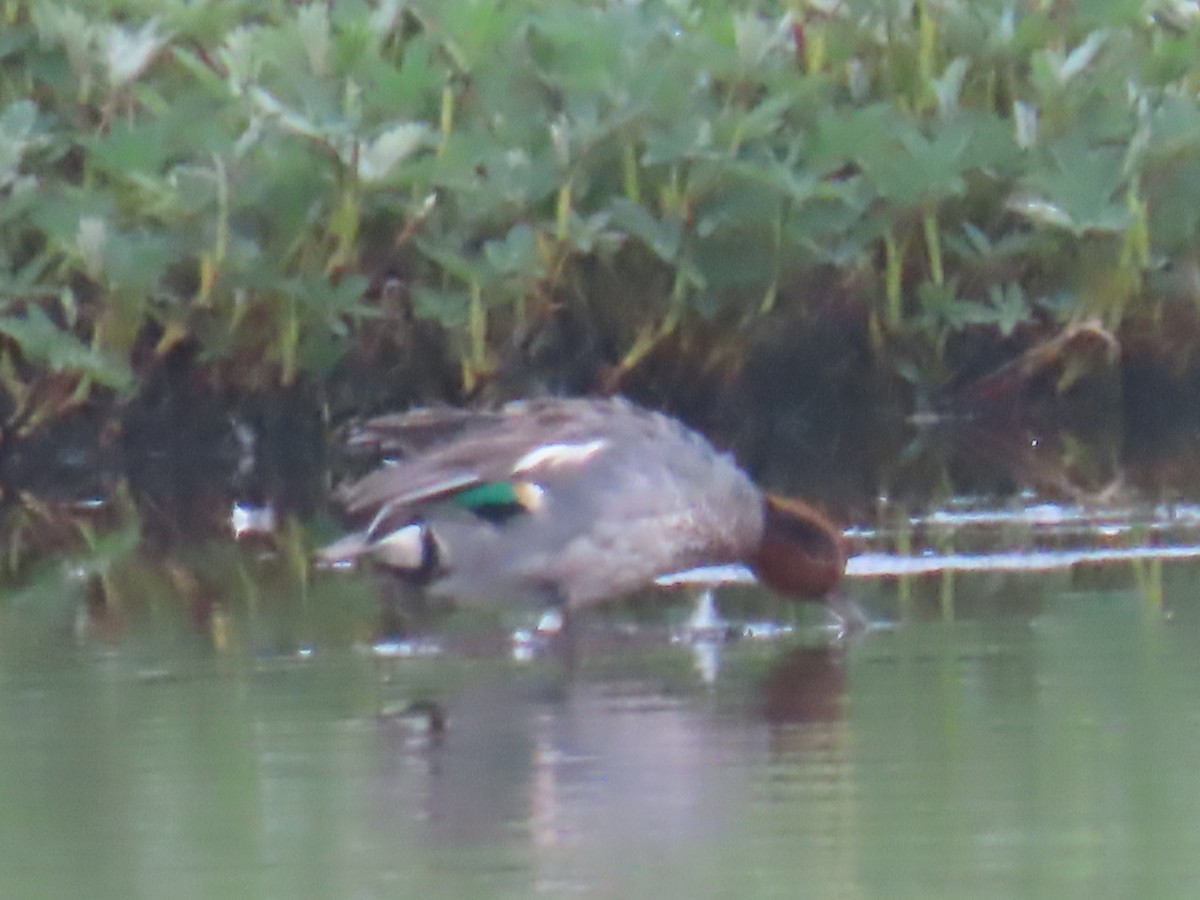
[{"x": 555, "y": 455}]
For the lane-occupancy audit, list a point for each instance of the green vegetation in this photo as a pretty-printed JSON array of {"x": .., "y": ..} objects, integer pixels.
[{"x": 267, "y": 185}]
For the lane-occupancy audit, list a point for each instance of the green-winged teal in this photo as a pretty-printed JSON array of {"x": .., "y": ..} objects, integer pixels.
[{"x": 576, "y": 499}]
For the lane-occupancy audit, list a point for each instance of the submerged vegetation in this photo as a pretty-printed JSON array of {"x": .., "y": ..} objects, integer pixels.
[{"x": 434, "y": 192}]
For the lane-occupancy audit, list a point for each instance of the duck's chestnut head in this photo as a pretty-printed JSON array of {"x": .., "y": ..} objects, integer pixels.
[{"x": 802, "y": 553}]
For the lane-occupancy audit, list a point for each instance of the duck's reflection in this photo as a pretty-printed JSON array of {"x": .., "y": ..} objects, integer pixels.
[
  {"x": 806, "y": 685},
  {"x": 584, "y": 778}
]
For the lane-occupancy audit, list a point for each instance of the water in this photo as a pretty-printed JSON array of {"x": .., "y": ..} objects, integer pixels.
[
  {"x": 188, "y": 715},
  {"x": 1033, "y": 738}
]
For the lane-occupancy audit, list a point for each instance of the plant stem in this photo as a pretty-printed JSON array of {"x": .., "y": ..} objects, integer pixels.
[
  {"x": 815, "y": 48},
  {"x": 772, "y": 292},
  {"x": 562, "y": 212},
  {"x": 1138, "y": 234},
  {"x": 927, "y": 36},
  {"x": 904, "y": 586},
  {"x": 675, "y": 310},
  {"x": 933, "y": 244},
  {"x": 893, "y": 270},
  {"x": 629, "y": 172},
  {"x": 647, "y": 337},
  {"x": 446, "y": 120},
  {"x": 946, "y": 595},
  {"x": 289, "y": 337},
  {"x": 477, "y": 329}
]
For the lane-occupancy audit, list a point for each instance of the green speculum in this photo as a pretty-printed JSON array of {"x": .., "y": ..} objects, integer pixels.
[{"x": 494, "y": 501}]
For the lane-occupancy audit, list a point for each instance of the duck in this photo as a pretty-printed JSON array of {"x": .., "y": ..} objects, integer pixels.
[{"x": 573, "y": 500}]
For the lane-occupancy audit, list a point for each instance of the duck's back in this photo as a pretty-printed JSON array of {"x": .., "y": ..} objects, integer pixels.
[{"x": 615, "y": 496}]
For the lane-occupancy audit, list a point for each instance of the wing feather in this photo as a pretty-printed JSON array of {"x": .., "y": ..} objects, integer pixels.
[{"x": 459, "y": 449}]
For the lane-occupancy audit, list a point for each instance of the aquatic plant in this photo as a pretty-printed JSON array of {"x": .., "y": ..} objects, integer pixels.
[{"x": 231, "y": 179}]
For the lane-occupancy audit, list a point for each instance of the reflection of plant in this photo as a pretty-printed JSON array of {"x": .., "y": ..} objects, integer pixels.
[
  {"x": 50, "y": 544},
  {"x": 214, "y": 174},
  {"x": 116, "y": 556}
]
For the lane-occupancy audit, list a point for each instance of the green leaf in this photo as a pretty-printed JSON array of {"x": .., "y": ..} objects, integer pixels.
[
  {"x": 43, "y": 342},
  {"x": 137, "y": 263},
  {"x": 127, "y": 147},
  {"x": 449, "y": 307},
  {"x": 446, "y": 253},
  {"x": 662, "y": 237},
  {"x": 683, "y": 138},
  {"x": 1076, "y": 190},
  {"x": 913, "y": 168},
  {"x": 1010, "y": 307},
  {"x": 516, "y": 253},
  {"x": 377, "y": 158},
  {"x": 841, "y": 136},
  {"x": 17, "y": 125}
]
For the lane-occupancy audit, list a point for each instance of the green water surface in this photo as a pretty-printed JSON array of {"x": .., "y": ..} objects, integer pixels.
[{"x": 1042, "y": 744}]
